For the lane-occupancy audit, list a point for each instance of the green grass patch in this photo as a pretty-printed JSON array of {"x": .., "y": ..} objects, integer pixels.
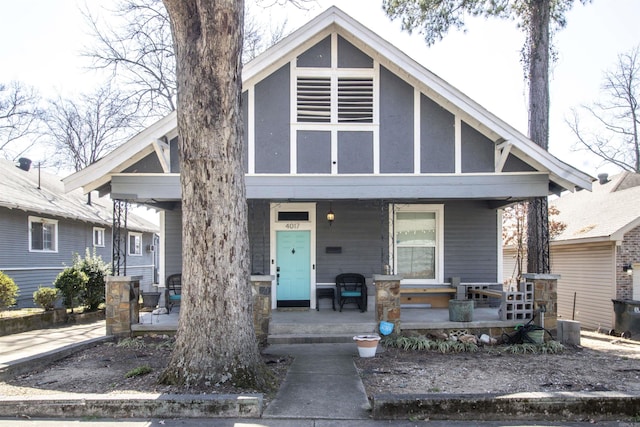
[{"x": 139, "y": 371}]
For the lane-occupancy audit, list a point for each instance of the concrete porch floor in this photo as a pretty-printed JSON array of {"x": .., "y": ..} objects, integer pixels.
[{"x": 309, "y": 324}]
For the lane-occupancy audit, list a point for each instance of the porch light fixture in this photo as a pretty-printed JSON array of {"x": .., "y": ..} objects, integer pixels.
[
  {"x": 627, "y": 268},
  {"x": 330, "y": 215}
]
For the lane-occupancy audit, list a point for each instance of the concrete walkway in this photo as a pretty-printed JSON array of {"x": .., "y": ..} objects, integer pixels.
[{"x": 322, "y": 383}]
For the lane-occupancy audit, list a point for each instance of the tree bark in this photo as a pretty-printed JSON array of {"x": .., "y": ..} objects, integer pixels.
[
  {"x": 538, "y": 258},
  {"x": 215, "y": 340}
]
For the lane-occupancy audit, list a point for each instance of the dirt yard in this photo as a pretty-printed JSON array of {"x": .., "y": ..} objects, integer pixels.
[{"x": 603, "y": 363}]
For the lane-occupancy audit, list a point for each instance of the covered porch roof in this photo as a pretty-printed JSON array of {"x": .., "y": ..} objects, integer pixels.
[{"x": 157, "y": 189}]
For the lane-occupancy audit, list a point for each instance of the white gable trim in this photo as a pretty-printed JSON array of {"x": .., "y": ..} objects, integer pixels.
[
  {"x": 132, "y": 151},
  {"x": 383, "y": 53}
]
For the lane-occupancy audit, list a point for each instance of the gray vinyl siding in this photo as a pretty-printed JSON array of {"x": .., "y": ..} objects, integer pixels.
[
  {"x": 29, "y": 280},
  {"x": 588, "y": 273},
  {"x": 396, "y": 124},
  {"x": 318, "y": 55},
  {"x": 31, "y": 270},
  {"x": 272, "y": 139},
  {"x": 259, "y": 237},
  {"x": 244, "y": 108},
  {"x": 355, "y": 152},
  {"x": 173, "y": 242},
  {"x": 470, "y": 241},
  {"x": 360, "y": 230},
  {"x": 149, "y": 164},
  {"x": 350, "y": 56},
  {"x": 437, "y": 138},
  {"x": 514, "y": 164},
  {"x": 314, "y": 152},
  {"x": 175, "y": 157},
  {"x": 478, "y": 151}
]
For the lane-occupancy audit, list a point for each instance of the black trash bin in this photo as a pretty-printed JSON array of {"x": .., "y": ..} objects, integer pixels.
[{"x": 627, "y": 313}]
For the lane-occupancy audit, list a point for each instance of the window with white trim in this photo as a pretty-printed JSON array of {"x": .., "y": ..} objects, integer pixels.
[
  {"x": 134, "y": 244},
  {"x": 418, "y": 244},
  {"x": 98, "y": 237},
  {"x": 43, "y": 234},
  {"x": 343, "y": 99}
]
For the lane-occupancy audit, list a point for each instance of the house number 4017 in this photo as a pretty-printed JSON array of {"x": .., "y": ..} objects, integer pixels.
[{"x": 292, "y": 226}]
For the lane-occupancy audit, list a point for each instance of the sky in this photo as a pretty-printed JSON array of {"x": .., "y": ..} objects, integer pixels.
[{"x": 41, "y": 41}]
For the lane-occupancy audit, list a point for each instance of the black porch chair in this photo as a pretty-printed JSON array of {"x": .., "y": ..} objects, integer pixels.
[
  {"x": 352, "y": 287},
  {"x": 173, "y": 291}
]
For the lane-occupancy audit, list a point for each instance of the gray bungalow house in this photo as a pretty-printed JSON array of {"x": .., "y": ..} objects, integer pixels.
[
  {"x": 42, "y": 227},
  {"x": 357, "y": 160}
]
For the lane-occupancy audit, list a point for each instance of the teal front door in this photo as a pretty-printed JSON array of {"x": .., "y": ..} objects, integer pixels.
[{"x": 293, "y": 269}]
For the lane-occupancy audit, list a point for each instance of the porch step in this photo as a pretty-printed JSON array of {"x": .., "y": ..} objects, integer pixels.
[
  {"x": 309, "y": 338},
  {"x": 323, "y": 329}
]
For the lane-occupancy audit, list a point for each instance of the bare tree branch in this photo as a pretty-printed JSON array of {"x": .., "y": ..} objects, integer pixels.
[
  {"x": 19, "y": 114},
  {"x": 83, "y": 131},
  {"x": 616, "y": 138},
  {"x": 138, "y": 49}
]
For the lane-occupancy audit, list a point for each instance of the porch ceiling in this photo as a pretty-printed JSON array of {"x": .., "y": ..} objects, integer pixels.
[{"x": 157, "y": 188}]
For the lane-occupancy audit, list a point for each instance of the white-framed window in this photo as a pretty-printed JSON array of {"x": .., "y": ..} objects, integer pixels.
[
  {"x": 43, "y": 234},
  {"x": 134, "y": 244},
  {"x": 98, "y": 237},
  {"x": 418, "y": 246}
]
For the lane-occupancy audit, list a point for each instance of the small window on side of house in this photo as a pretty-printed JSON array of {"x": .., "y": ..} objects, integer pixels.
[
  {"x": 98, "y": 237},
  {"x": 43, "y": 234},
  {"x": 135, "y": 244}
]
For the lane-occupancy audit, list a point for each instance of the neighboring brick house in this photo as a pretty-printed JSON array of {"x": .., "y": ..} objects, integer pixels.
[
  {"x": 597, "y": 250},
  {"x": 42, "y": 227}
]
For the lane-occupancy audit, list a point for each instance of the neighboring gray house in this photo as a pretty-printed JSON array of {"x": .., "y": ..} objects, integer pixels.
[
  {"x": 42, "y": 227},
  {"x": 338, "y": 120}
]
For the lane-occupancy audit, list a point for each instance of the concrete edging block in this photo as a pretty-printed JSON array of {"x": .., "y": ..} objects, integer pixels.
[
  {"x": 133, "y": 406},
  {"x": 552, "y": 406}
]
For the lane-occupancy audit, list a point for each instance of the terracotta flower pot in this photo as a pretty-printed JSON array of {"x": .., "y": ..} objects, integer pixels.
[{"x": 367, "y": 344}]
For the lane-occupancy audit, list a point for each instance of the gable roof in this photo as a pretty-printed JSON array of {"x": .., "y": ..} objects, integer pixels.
[
  {"x": 333, "y": 19},
  {"x": 42, "y": 193},
  {"x": 604, "y": 214}
]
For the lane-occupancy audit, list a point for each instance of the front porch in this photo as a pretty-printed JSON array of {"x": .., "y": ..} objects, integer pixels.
[
  {"x": 304, "y": 325},
  {"x": 324, "y": 326}
]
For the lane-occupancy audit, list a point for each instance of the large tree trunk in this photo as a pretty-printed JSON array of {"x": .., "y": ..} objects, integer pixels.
[
  {"x": 215, "y": 339},
  {"x": 538, "y": 258}
]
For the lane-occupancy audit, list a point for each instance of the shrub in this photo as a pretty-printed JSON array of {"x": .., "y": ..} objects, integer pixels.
[
  {"x": 71, "y": 282},
  {"x": 96, "y": 270},
  {"x": 46, "y": 297},
  {"x": 8, "y": 291}
]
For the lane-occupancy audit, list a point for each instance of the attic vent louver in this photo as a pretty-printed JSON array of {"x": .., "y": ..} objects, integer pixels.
[
  {"x": 25, "y": 164},
  {"x": 355, "y": 100},
  {"x": 314, "y": 99}
]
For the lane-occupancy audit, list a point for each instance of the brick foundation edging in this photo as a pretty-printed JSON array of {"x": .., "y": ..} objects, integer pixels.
[
  {"x": 133, "y": 406},
  {"x": 548, "y": 406}
]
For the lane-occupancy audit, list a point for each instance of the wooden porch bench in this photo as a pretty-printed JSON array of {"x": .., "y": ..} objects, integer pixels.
[{"x": 437, "y": 296}]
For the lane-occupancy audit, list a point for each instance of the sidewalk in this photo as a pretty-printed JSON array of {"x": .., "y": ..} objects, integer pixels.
[{"x": 24, "y": 351}]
